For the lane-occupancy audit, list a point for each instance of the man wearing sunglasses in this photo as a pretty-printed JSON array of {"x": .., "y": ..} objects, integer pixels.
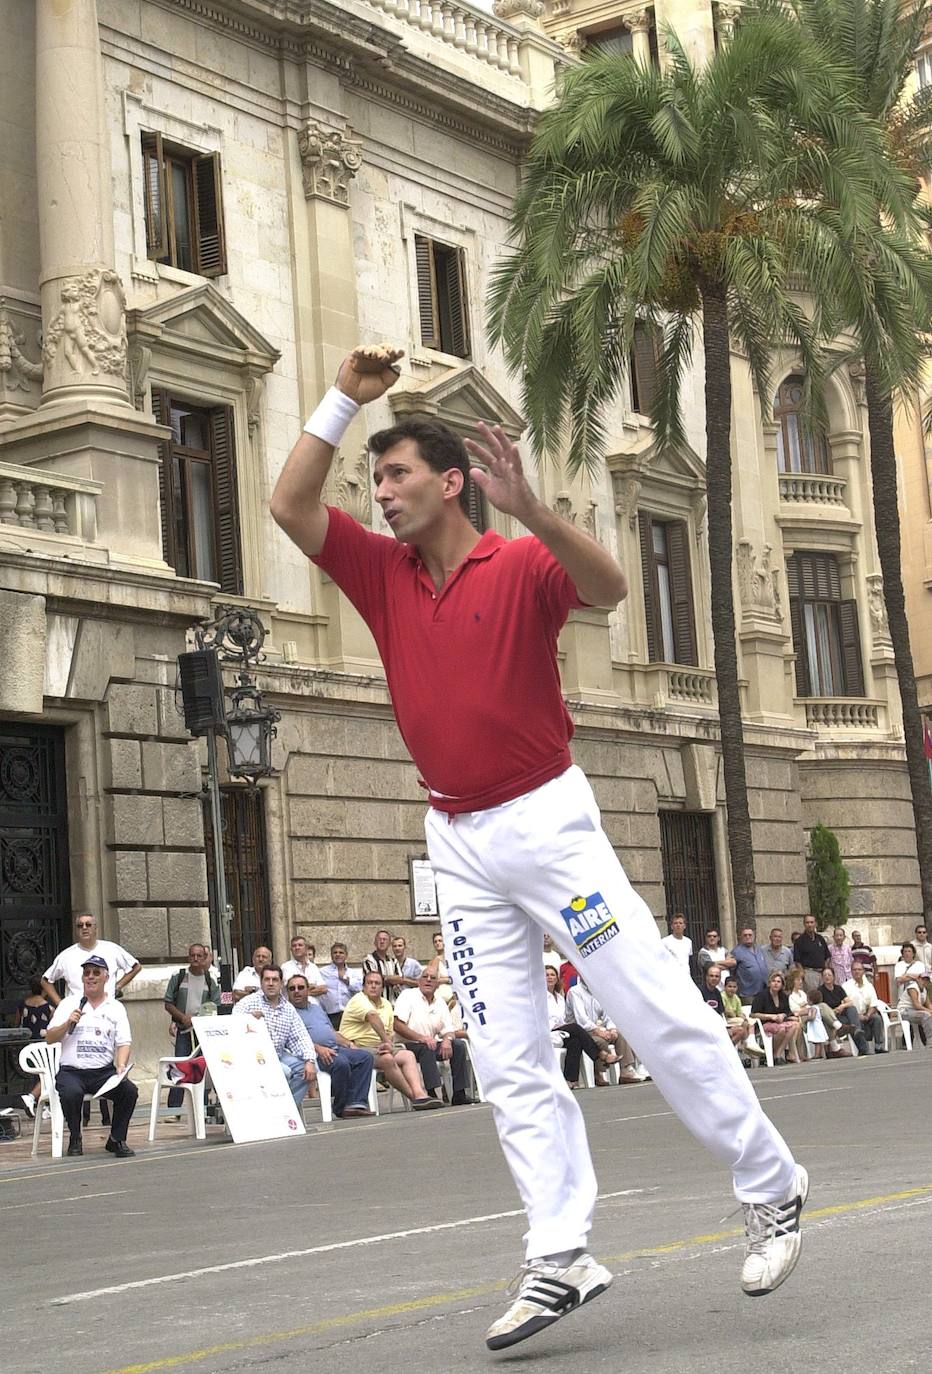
[
  {"x": 93, "y": 1030},
  {"x": 68, "y": 966}
]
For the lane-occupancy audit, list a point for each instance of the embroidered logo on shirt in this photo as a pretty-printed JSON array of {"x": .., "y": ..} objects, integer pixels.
[{"x": 590, "y": 922}]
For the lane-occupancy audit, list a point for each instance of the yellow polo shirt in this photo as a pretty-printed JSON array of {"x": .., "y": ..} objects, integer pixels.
[{"x": 355, "y": 1027}]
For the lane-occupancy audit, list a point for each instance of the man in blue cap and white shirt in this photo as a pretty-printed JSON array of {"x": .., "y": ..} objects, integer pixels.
[{"x": 95, "y": 1037}]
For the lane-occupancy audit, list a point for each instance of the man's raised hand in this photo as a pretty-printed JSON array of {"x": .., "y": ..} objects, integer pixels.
[
  {"x": 504, "y": 483},
  {"x": 368, "y": 372}
]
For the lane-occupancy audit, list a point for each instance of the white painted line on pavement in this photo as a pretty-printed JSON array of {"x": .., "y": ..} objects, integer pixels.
[
  {"x": 302, "y": 1254},
  {"x": 809, "y": 1092},
  {"x": 57, "y": 1202}
]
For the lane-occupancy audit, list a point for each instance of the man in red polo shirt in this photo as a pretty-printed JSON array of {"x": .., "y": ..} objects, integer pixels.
[{"x": 467, "y": 626}]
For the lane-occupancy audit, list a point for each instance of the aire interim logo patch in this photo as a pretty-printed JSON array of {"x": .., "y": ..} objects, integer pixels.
[{"x": 590, "y": 922}]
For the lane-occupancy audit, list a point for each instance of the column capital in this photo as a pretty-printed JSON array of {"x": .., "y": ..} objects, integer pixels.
[
  {"x": 329, "y": 160},
  {"x": 517, "y": 9},
  {"x": 641, "y": 21}
]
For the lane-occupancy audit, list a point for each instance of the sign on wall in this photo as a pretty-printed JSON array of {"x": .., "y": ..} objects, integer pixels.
[
  {"x": 423, "y": 888},
  {"x": 247, "y": 1077}
]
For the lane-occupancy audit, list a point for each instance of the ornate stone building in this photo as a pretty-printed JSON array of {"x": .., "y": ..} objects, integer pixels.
[{"x": 206, "y": 202}]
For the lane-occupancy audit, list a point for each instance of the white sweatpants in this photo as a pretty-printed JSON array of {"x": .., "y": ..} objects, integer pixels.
[{"x": 505, "y": 876}]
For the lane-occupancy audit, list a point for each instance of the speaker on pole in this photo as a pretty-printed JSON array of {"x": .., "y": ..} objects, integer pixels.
[{"x": 202, "y": 691}]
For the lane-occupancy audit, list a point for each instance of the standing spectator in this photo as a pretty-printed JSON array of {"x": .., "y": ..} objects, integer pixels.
[
  {"x": 678, "y": 942},
  {"x": 288, "y": 1032},
  {"x": 863, "y": 952},
  {"x": 411, "y": 969},
  {"x": 302, "y": 961},
  {"x": 33, "y": 1014},
  {"x": 368, "y": 1021},
  {"x": 772, "y": 1008},
  {"x": 341, "y": 983},
  {"x": 713, "y": 955},
  {"x": 68, "y": 964},
  {"x": 839, "y": 1012},
  {"x": 438, "y": 965},
  {"x": 249, "y": 979},
  {"x": 187, "y": 991},
  {"x": 381, "y": 960},
  {"x": 923, "y": 949},
  {"x": 840, "y": 956},
  {"x": 777, "y": 957},
  {"x": 349, "y": 1068},
  {"x": 423, "y": 1020},
  {"x": 864, "y": 1000},
  {"x": 806, "y": 1011},
  {"x": 811, "y": 951},
  {"x": 552, "y": 956},
  {"x": 913, "y": 999},
  {"x": 750, "y": 966}
]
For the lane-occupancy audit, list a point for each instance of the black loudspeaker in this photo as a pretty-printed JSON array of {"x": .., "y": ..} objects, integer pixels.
[{"x": 202, "y": 691}]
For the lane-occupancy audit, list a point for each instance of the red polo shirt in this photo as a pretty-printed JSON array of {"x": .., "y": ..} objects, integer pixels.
[{"x": 472, "y": 669}]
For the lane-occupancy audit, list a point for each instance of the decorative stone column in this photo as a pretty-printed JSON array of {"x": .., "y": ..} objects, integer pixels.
[
  {"x": 639, "y": 26},
  {"x": 83, "y": 306}
]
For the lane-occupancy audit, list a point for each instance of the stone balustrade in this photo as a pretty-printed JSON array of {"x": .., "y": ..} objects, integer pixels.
[
  {"x": 48, "y": 502},
  {"x": 836, "y": 713},
  {"x": 477, "y": 34},
  {"x": 819, "y": 488},
  {"x": 690, "y": 684}
]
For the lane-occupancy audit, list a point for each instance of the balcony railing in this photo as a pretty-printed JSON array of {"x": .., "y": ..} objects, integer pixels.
[
  {"x": 690, "y": 684},
  {"x": 48, "y": 503},
  {"x": 469, "y": 30},
  {"x": 834, "y": 713},
  {"x": 815, "y": 487}
]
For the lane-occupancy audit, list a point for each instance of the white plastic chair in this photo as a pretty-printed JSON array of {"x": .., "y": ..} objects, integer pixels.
[
  {"x": 758, "y": 1036},
  {"x": 325, "y": 1095},
  {"x": 893, "y": 1022},
  {"x": 44, "y": 1060},
  {"x": 194, "y": 1105}
]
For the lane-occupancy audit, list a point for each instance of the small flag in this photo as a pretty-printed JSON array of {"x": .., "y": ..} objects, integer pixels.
[{"x": 927, "y": 739}]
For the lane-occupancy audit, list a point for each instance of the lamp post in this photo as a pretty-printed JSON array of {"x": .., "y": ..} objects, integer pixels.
[{"x": 236, "y": 637}]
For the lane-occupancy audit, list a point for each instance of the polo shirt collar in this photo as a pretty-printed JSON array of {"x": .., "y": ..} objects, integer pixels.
[{"x": 489, "y": 544}]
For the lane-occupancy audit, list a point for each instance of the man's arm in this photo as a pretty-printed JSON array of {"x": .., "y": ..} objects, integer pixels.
[
  {"x": 50, "y": 993},
  {"x": 405, "y": 1031},
  {"x": 134, "y": 968},
  {"x": 598, "y": 579},
  {"x": 364, "y": 375}
]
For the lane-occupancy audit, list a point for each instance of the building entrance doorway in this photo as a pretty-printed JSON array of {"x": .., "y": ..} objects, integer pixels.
[
  {"x": 688, "y": 854},
  {"x": 244, "y": 864}
]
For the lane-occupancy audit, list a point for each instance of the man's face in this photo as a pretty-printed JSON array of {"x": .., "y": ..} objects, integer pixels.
[
  {"x": 297, "y": 992},
  {"x": 338, "y": 954},
  {"x": 711, "y": 939},
  {"x": 857, "y": 972},
  {"x": 382, "y": 941},
  {"x": 86, "y": 931},
  {"x": 548, "y": 944},
  {"x": 438, "y": 943},
  {"x": 809, "y": 925},
  {"x": 399, "y": 948},
  {"x": 261, "y": 958},
  {"x": 776, "y": 939},
  {"x": 198, "y": 958},
  {"x": 94, "y": 981},
  {"x": 856, "y": 938},
  {"x": 921, "y": 934},
  {"x": 272, "y": 984},
  {"x": 372, "y": 986},
  {"x": 731, "y": 986},
  {"x": 677, "y": 926},
  {"x": 428, "y": 985},
  {"x": 299, "y": 949},
  {"x": 711, "y": 977},
  {"x": 747, "y": 936},
  {"x": 412, "y": 495}
]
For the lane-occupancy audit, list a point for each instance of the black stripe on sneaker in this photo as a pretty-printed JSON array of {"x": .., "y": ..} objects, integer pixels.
[{"x": 551, "y": 1293}]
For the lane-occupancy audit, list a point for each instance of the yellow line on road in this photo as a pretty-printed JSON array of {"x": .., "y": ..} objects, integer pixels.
[{"x": 482, "y": 1290}]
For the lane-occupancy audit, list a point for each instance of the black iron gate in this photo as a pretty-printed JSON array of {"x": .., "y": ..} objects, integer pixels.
[
  {"x": 244, "y": 864},
  {"x": 34, "y": 886},
  {"x": 689, "y": 871}
]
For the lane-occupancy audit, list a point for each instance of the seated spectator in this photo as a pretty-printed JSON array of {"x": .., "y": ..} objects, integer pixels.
[
  {"x": 839, "y": 1013},
  {"x": 249, "y": 979},
  {"x": 289, "y": 1035},
  {"x": 568, "y": 1036},
  {"x": 805, "y": 1009},
  {"x": 342, "y": 983},
  {"x": 302, "y": 961},
  {"x": 423, "y": 1021},
  {"x": 368, "y": 1021},
  {"x": 863, "y": 952},
  {"x": 863, "y": 998},
  {"x": 34, "y": 1014},
  {"x": 583, "y": 1010},
  {"x": 411, "y": 970},
  {"x": 713, "y": 955},
  {"x": 913, "y": 999},
  {"x": 188, "y": 990},
  {"x": 737, "y": 1023},
  {"x": 772, "y": 1008},
  {"x": 349, "y": 1068}
]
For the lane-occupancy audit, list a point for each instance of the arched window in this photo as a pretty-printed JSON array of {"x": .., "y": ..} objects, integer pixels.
[{"x": 800, "y": 448}]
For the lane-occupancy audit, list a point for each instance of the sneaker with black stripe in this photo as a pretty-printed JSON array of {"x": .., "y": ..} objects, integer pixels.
[
  {"x": 773, "y": 1239},
  {"x": 543, "y": 1293}
]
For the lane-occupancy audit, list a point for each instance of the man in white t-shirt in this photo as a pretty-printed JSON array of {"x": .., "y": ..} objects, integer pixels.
[
  {"x": 93, "y": 1030},
  {"x": 122, "y": 966},
  {"x": 249, "y": 979},
  {"x": 678, "y": 942},
  {"x": 714, "y": 955},
  {"x": 864, "y": 1000},
  {"x": 552, "y": 956},
  {"x": 424, "y": 1023},
  {"x": 301, "y": 962}
]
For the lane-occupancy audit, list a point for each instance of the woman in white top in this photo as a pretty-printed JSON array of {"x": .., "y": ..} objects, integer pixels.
[
  {"x": 566, "y": 1035},
  {"x": 913, "y": 1000},
  {"x": 808, "y": 1015}
]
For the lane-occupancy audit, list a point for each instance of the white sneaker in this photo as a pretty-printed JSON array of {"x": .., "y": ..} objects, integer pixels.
[
  {"x": 774, "y": 1239},
  {"x": 544, "y": 1292},
  {"x": 29, "y": 1102}
]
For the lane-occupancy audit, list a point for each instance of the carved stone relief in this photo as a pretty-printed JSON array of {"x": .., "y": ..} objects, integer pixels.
[
  {"x": 138, "y": 358},
  {"x": 877, "y": 608},
  {"x": 353, "y": 485},
  {"x": 627, "y": 496},
  {"x": 255, "y": 390},
  {"x": 88, "y": 334},
  {"x": 17, "y": 372},
  {"x": 516, "y": 9},
  {"x": 639, "y": 22},
  {"x": 563, "y": 507},
  {"x": 758, "y": 583},
  {"x": 329, "y": 160},
  {"x": 857, "y": 374}
]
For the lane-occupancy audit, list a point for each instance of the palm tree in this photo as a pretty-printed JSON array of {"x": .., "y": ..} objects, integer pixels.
[
  {"x": 670, "y": 199},
  {"x": 874, "y": 43}
]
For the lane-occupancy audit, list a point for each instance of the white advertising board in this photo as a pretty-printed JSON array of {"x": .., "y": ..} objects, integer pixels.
[{"x": 247, "y": 1077}]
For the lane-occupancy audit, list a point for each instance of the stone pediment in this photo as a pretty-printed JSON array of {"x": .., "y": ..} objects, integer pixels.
[
  {"x": 679, "y": 467},
  {"x": 201, "y": 321},
  {"x": 460, "y": 398}
]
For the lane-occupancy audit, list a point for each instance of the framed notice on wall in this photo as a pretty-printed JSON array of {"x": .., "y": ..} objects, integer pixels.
[{"x": 423, "y": 888}]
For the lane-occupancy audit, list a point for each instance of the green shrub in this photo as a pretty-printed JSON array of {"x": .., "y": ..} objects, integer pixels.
[{"x": 828, "y": 879}]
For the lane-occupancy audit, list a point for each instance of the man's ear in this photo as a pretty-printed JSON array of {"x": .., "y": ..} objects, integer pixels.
[{"x": 453, "y": 482}]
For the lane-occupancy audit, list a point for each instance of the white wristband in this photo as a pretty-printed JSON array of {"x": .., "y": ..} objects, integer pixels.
[{"x": 332, "y": 417}]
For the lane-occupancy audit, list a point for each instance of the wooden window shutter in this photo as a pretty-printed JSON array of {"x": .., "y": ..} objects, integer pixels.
[
  {"x": 208, "y": 216},
  {"x": 852, "y": 663},
  {"x": 427, "y": 292},
  {"x": 475, "y": 506},
  {"x": 654, "y": 639},
  {"x": 645, "y": 367},
  {"x": 153, "y": 175},
  {"x": 681, "y": 590},
  {"x": 161, "y": 413},
  {"x": 803, "y": 680},
  {"x": 226, "y": 506},
  {"x": 455, "y": 268}
]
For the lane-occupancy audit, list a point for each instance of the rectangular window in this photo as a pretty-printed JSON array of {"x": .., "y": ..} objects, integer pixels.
[
  {"x": 826, "y": 638},
  {"x": 184, "y": 207},
  {"x": 924, "y": 69},
  {"x": 668, "y": 592},
  {"x": 200, "y": 524},
  {"x": 642, "y": 367},
  {"x": 441, "y": 296}
]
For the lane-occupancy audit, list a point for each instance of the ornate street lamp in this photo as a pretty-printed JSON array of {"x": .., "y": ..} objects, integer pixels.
[{"x": 237, "y": 635}]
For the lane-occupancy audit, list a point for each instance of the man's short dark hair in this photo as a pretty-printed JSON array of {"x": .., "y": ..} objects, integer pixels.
[
  {"x": 439, "y": 445},
  {"x": 273, "y": 968}
]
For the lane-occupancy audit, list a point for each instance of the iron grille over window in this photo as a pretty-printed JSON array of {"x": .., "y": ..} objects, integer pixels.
[
  {"x": 826, "y": 638},
  {"x": 441, "y": 296},
  {"x": 668, "y": 592},
  {"x": 800, "y": 448},
  {"x": 184, "y": 207}
]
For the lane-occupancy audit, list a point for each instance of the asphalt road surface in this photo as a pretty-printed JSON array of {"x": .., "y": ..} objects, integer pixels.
[{"x": 386, "y": 1245}]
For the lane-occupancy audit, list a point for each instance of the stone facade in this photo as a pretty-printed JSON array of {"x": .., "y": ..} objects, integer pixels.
[{"x": 341, "y": 139}]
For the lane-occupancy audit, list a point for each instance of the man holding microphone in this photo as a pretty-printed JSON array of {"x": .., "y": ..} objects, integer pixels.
[{"x": 95, "y": 1038}]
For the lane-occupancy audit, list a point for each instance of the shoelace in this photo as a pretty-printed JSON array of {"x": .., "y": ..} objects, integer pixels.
[
  {"x": 529, "y": 1271},
  {"x": 765, "y": 1221}
]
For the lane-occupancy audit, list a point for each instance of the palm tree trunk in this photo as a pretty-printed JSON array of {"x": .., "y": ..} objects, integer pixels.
[
  {"x": 717, "y": 342},
  {"x": 887, "y": 525}
]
